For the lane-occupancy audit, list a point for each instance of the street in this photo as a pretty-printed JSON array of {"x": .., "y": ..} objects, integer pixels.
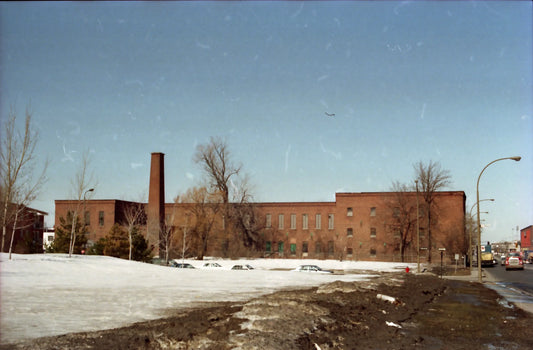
[{"x": 515, "y": 286}]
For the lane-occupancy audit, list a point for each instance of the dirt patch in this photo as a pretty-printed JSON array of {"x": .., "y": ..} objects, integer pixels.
[{"x": 393, "y": 311}]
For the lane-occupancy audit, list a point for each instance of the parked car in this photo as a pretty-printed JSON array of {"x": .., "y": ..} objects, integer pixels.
[
  {"x": 311, "y": 268},
  {"x": 242, "y": 267},
  {"x": 182, "y": 265},
  {"x": 514, "y": 261},
  {"x": 211, "y": 265}
]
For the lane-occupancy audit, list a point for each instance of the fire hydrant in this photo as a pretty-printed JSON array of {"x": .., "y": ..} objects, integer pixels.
[{"x": 407, "y": 269}]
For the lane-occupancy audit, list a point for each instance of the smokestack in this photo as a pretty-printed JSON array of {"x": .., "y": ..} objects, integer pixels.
[{"x": 156, "y": 201}]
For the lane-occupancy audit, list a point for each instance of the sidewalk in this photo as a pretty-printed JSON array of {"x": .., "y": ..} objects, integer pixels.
[{"x": 473, "y": 277}]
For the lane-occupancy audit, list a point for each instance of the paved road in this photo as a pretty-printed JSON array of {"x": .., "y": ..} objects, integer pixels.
[{"x": 516, "y": 286}]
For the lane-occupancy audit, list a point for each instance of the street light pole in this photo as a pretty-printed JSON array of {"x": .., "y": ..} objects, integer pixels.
[
  {"x": 480, "y": 278},
  {"x": 84, "y": 208},
  {"x": 417, "y": 232},
  {"x": 470, "y": 236}
]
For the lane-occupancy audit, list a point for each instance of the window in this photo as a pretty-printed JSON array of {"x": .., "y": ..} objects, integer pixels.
[
  {"x": 373, "y": 232},
  {"x": 373, "y": 253},
  {"x": 87, "y": 218},
  {"x": 305, "y": 247},
  {"x": 305, "y": 222},
  {"x": 318, "y": 247},
  {"x": 349, "y": 252},
  {"x": 268, "y": 247},
  {"x": 101, "y": 218},
  {"x": 397, "y": 233},
  {"x": 268, "y": 220},
  {"x": 349, "y": 212},
  {"x": 373, "y": 211},
  {"x": 293, "y": 221},
  {"x": 280, "y": 247},
  {"x": 331, "y": 248},
  {"x": 396, "y": 212},
  {"x": 281, "y": 218},
  {"x": 318, "y": 221},
  {"x": 349, "y": 232},
  {"x": 50, "y": 238},
  {"x": 331, "y": 223},
  {"x": 293, "y": 248}
]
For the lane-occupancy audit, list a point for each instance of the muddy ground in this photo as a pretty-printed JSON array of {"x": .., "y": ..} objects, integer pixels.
[{"x": 423, "y": 312}]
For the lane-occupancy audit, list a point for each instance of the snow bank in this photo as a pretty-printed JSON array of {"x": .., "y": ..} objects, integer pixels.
[{"x": 51, "y": 294}]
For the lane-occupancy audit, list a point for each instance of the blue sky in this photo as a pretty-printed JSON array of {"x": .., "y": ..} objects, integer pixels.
[{"x": 449, "y": 82}]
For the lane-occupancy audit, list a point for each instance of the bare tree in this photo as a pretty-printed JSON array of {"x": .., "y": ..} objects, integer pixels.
[
  {"x": 404, "y": 215},
  {"x": 168, "y": 234},
  {"x": 185, "y": 239},
  {"x": 82, "y": 184},
  {"x": 432, "y": 178},
  {"x": 224, "y": 177},
  {"x": 17, "y": 167},
  {"x": 134, "y": 215},
  {"x": 245, "y": 217},
  {"x": 215, "y": 160},
  {"x": 203, "y": 213}
]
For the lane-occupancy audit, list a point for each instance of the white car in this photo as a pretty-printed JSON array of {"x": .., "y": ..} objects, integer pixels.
[
  {"x": 311, "y": 268},
  {"x": 514, "y": 261}
]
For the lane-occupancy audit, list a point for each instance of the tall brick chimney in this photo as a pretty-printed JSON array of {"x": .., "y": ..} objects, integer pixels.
[{"x": 156, "y": 202}]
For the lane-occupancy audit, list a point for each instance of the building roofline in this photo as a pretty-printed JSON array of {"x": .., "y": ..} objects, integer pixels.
[
  {"x": 390, "y": 192},
  {"x": 37, "y": 211}
]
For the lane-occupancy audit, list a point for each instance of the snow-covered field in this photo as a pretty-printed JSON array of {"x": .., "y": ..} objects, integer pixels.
[{"x": 51, "y": 294}]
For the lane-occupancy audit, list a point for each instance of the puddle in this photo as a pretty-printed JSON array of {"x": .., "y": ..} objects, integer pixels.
[{"x": 467, "y": 299}]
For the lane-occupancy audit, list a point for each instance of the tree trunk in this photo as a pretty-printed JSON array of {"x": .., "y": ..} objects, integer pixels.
[
  {"x": 13, "y": 233},
  {"x": 429, "y": 236},
  {"x": 130, "y": 240},
  {"x": 73, "y": 234},
  {"x": 4, "y": 226}
]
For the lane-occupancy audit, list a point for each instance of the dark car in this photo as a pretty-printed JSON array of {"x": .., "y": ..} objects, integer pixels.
[
  {"x": 182, "y": 265},
  {"x": 514, "y": 261}
]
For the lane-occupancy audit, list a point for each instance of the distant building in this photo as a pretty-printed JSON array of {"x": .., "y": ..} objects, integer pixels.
[
  {"x": 526, "y": 238},
  {"x": 356, "y": 226},
  {"x": 99, "y": 215},
  {"x": 28, "y": 237},
  {"x": 48, "y": 238}
]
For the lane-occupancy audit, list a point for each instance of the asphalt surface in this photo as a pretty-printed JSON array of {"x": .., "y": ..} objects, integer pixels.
[{"x": 516, "y": 286}]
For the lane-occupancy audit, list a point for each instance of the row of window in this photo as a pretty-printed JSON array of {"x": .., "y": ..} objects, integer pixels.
[
  {"x": 373, "y": 211},
  {"x": 305, "y": 221},
  {"x": 87, "y": 218},
  {"x": 318, "y": 219},
  {"x": 330, "y": 249},
  {"x": 305, "y": 247}
]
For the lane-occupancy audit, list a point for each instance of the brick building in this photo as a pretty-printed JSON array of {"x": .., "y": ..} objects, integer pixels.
[
  {"x": 361, "y": 226},
  {"x": 99, "y": 215},
  {"x": 356, "y": 226},
  {"x": 28, "y": 236},
  {"x": 526, "y": 238}
]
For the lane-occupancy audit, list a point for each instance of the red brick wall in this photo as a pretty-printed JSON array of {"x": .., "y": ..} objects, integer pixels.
[
  {"x": 526, "y": 239},
  {"x": 447, "y": 228}
]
